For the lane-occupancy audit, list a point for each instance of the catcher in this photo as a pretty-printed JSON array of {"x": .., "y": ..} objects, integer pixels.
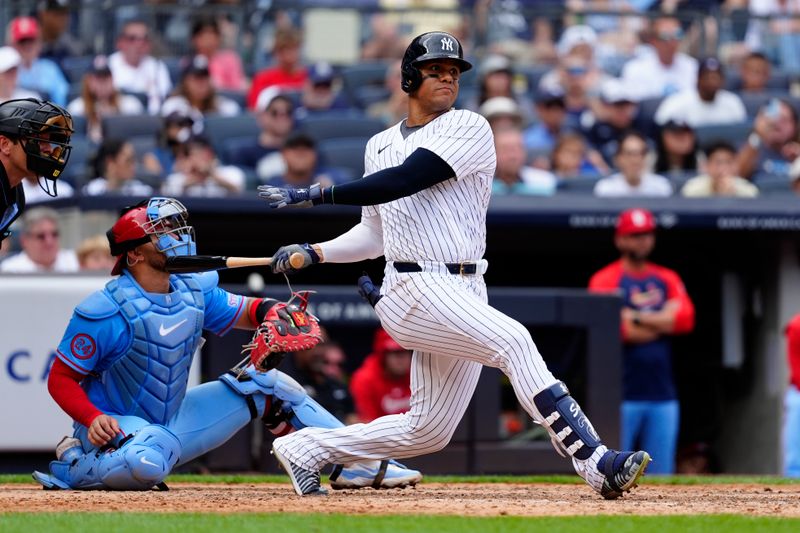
[{"x": 122, "y": 368}]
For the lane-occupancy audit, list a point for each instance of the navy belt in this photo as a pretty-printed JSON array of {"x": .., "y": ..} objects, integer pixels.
[{"x": 453, "y": 268}]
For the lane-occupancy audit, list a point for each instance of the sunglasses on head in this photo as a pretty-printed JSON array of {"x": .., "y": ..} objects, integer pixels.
[{"x": 670, "y": 36}]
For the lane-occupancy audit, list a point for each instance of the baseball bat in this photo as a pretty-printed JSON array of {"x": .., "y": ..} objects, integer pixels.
[{"x": 184, "y": 264}]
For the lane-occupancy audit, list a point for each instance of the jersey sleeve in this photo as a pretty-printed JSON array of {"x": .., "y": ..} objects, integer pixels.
[
  {"x": 605, "y": 280},
  {"x": 464, "y": 141},
  {"x": 223, "y": 308},
  {"x": 86, "y": 342},
  {"x": 676, "y": 291},
  {"x": 369, "y": 168}
]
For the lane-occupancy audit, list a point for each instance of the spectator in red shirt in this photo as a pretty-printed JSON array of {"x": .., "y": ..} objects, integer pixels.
[
  {"x": 791, "y": 430},
  {"x": 655, "y": 307},
  {"x": 288, "y": 73},
  {"x": 381, "y": 386}
]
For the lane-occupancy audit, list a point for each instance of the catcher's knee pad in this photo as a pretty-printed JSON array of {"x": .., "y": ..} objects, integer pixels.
[
  {"x": 142, "y": 462},
  {"x": 569, "y": 429}
]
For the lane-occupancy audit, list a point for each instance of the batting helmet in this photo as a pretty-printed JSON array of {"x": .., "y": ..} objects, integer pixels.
[
  {"x": 34, "y": 123},
  {"x": 431, "y": 45},
  {"x": 636, "y": 220},
  {"x": 166, "y": 218}
]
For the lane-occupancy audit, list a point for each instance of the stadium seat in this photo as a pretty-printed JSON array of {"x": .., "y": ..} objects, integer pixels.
[
  {"x": 533, "y": 75},
  {"x": 76, "y": 170},
  {"x": 240, "y": 97},
  {"x": 335, "y": 126},
  {"x": 75, "y": 67},
  {"x": 370, "y": 94},
  {"x": 79, "y": 124},
  {"x": 355, "y": 77},
  {"x": 131, "y": 125},
  {"x": 778, "y": 81},
  {"x": 173, "y": 64},
  {"x": 644, "y": 121},
  {"x": 753, "y": 102},
  {"x": 577, "y": 185},
  {"x": 220, "y": 129},
  {"x": 773, "y": 185},
  {"x": 735, "y": 134},
  {"x": 347, "y": 153}
]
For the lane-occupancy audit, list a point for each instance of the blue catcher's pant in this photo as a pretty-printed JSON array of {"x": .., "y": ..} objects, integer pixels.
[{"x": 209, "y": 415}]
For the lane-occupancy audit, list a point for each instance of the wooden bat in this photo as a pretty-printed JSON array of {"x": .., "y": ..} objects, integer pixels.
[{"x": 183, "y": 264}]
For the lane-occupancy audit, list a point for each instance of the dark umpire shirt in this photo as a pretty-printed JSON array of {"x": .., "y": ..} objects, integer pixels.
[{"x": 12, "y": 202}]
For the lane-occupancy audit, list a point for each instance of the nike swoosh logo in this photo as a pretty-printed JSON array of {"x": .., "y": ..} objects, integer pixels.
[
  {"x": 146, "y": 462},
  {"x": 166, "y": 331},
  {"x": 384, "y": 148}
]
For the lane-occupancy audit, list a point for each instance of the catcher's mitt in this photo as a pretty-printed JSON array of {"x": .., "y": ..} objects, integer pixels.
[{"x": 287, "y": 327}]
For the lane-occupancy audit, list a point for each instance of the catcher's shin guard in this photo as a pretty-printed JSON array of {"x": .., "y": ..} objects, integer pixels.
[
  {"x": 295, "y": 406},
  {"x": 141, "y": 462},
  {"x": 569, "y": 429}
]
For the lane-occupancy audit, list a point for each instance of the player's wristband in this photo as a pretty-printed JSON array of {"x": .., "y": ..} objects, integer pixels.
[{"x": 259, "y": 309}]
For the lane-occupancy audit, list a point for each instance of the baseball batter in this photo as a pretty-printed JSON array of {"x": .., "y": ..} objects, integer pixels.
[
  {"x": 122, "y": 369},
  {"x": 426, "y": 193}
]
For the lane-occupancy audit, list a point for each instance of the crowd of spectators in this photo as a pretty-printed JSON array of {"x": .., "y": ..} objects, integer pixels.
[{"x": 571, "y": 87}]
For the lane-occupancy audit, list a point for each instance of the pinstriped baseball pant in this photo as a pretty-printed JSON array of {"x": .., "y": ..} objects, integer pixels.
[{"x": 447, "y": 321}]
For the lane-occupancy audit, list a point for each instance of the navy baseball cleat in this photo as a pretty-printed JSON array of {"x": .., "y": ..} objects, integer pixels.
[
  {"x": 305, "y": 482},
  {"x": 622, "y": 471},
  {"x": 375, "y": 474}
]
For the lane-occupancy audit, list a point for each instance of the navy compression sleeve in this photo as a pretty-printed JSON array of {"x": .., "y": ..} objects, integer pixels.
[{"x": 420, "y": 170}]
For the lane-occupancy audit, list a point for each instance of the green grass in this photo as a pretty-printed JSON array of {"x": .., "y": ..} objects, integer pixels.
[
  {"x": 235, "y": 479},
  {"x": 329, "y": 523}
]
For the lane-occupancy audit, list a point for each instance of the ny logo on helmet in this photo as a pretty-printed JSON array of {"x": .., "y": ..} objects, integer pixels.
[{"x": 447, "y": 44}]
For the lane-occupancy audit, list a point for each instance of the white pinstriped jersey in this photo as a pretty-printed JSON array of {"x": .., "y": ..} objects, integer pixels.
[{"x": 446, "y": 222}]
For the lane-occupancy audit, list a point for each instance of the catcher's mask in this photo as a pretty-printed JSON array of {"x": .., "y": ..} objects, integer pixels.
[
  {"x": 44, "y": 130},
  {"x": 164, "y": 218}
]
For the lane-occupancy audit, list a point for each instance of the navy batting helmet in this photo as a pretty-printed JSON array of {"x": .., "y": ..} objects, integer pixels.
[
  {"x": 35, "y": 122},
  {"x": 431, "y": 45}
]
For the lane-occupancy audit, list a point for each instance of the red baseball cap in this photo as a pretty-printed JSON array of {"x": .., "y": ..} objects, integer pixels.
[
  {"x": 24, "y": 28},
  {"x": 636, "y": 220},
  {"x": 384, "y": 343},
  {"x": 126, "y": 234}
]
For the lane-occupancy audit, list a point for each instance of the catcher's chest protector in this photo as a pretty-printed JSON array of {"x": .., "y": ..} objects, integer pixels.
[{"x": 150, "y": 380}]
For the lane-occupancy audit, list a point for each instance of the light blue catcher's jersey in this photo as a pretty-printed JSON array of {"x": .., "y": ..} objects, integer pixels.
[{"x": 136, "y": 347}]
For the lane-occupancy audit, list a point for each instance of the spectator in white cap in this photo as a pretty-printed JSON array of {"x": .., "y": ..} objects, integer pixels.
[
  {"x": 611, "y": 117},
  {"x": 99, "y": 98},
  {"x": 502, "y": 113},
  {"x": 706, "y": 104},
  {"x": 196, "y": 97},
  {"x": 496, "y": 79},
  {"x": 321, "y": 92},
  {"x": 275, "y": 115},
  {"x": 660, "y": 69},
  {"x": 576, "y": 75},
  {"x": 36, "y": 73},
  {"x": 9, "y": 70}
]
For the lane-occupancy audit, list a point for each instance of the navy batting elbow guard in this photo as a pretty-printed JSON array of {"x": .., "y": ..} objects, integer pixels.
[{"x": 368, "y": 290}]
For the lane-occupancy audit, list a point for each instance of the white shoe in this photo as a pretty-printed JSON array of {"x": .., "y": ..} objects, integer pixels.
[{"x": 378, "y": 475}]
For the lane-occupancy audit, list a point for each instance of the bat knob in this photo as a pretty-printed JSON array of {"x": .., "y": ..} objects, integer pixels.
[{"x": 297, "y": 260}]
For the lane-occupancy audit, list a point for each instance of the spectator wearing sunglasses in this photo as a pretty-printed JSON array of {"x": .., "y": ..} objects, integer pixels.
[
  {"x": 135, "y": 70},
  {"x": 661, "y": 69},
  {"x": 41, "y": 247}
]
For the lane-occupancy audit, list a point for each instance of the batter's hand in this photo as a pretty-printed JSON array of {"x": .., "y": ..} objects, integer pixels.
[
  {"x": 102, "y": 429},
  {"x": 280, "y": 261},
  {"x": 278, "y": 197}
]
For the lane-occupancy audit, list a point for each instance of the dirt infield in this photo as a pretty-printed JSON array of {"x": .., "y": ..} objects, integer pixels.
[{"x": 489, "y": 499}]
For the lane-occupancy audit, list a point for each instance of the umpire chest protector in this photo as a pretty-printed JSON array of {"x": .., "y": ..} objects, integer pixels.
[{"x": 150, "y": 380}]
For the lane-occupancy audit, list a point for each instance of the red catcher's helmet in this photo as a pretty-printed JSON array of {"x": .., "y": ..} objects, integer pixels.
[
  {"x": 636, "y": 220},
  {"x": 126, "y": 234}
]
